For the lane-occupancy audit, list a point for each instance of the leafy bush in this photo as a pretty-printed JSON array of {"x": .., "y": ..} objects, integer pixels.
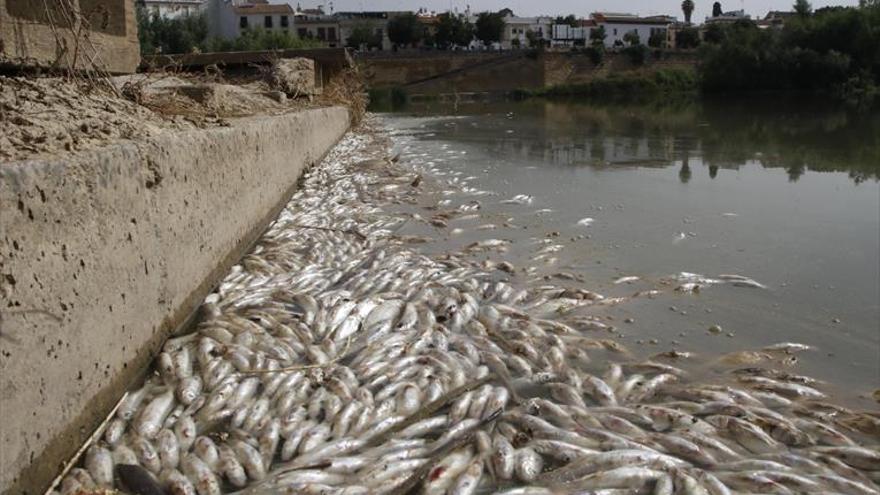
[
  {"x": 830, "y": 50},
  {"x": 260, "y": 39},
  {"x": 637, "y": 54},
  {"x": 596, "y": 52},
  {"x": 687, "y": 38},
  {"x": 159, "y": 34}
]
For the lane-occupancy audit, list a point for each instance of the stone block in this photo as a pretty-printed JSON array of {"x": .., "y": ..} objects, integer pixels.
[{"x": 37, "y": 34}]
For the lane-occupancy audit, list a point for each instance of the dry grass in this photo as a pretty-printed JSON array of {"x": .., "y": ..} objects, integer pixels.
[
  {"x": 348, "y": 89},
  {"x": 78, "y": 59}
]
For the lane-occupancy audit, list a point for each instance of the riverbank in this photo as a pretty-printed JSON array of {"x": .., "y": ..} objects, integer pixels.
[
  {"x": 631, "y": 86},
  {"x": 119, "y": 217},
  {"x": 363, "y": 346}
]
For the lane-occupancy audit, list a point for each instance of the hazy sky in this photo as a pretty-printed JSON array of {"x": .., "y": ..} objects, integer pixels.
[{"x": 578, "y": 7}]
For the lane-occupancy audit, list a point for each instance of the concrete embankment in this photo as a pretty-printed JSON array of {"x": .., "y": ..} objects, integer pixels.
[
  {"x": 441, "y": 72},
  {"x": 104, "y": 253}
]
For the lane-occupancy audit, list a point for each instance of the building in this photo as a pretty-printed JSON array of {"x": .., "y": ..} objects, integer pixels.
[
  {"x": 230, "y": 18},
  {"x": 729, "y": 17},
  {"x": 776, "y": 19},
  {"x": 564, "y": 35},
  {"x": 374, "y": 22},
  {"x": 171, "y": 9},
  {"x": 316, "y": 25},
  {"x": 516, "y": 29},
  {"x": 618, "y": 25}
]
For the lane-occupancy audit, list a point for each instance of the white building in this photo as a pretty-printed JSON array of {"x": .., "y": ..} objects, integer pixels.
[
  {"x": 565, "y": 35},
  {"x": 229, "y": 18},
  {"x": 516, "y": 29},
  {"x": 171, "y": 8},
  {"x": 618, "y": 25}
]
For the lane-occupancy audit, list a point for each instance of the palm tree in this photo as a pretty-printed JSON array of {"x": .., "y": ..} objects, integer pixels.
[{"x": 687, "y": 6}]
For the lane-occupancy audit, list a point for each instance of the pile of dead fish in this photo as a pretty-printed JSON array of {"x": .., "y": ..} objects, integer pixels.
[{"x": 336, "y": 359}]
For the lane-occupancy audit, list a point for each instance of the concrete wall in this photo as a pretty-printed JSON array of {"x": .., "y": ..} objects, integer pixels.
[
  {"x": 433, "y": 73},
  {"x": 388, "y": 69},
  {"x": 103, "y": 254},
  {"x": 41, "y": 33}
]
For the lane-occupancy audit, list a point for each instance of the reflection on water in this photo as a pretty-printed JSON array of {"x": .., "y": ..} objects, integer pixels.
[
  {"x": 781, "y": 191},
  {"x": 795, "y": 135}
]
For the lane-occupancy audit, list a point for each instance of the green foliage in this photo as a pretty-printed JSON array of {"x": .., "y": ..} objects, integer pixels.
[
  {"x": 637, "y": 54},
  {"x": 533, "y": 39},
  {"x": 260, "y": 39},
  {"x": 657, "y": 39},
  {"x": 632, "y": 38},
  {"x": 453, "y": 30},
  {"x": 405, "y": 30},
  {"x": 364, "y": 35},
  {"x": 687, "y": 38},
  {"x": 687, "y": 7},
  {"x": 596, "y": 52},
  {"x": 570, "y": 20},
  {"x": 803, "y": 8},
  {"x": 598, "y": 35},
  {"x": 714, "y": 34},
  {"x": 831, "y": 50},
  {"x": 489, "y": 27},
  {"x": 717, "y": 10},
  {"x": 159, "y": 34}
]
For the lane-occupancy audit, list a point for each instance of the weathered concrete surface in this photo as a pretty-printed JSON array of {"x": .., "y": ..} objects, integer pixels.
[
  {"x": 436, "y": 73},
  {"x": 104, "y": 254},
  {"x": 40, "y": 33}
]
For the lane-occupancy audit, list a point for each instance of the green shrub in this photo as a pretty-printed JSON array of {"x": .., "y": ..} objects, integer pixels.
[
  {"x": 260, "y": 39},
  {"x": 596, "y": 53},
  {"x": 637, "y": 54},
  {"x": 830, "y": 50}
]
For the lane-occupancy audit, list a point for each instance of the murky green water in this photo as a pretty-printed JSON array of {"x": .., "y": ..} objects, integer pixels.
[{"x": 780, "y": 191}]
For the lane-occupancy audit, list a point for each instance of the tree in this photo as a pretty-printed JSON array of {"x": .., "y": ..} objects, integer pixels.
[
  {"x": 657, "y": 39},
  {"x": 453, "y": 30},
  {"x": 363, "y": 35},
  {"x": 717, "y": 11},
  {"x": 261, "y": 39},
  {"x": 570, "y": 20},
  {"x": 803, "y": 8},
  {"x": 714, "y": 34},
  {"x": 405, "y": 30},
  {"x": 158, "y": 34},
  {"x": 687, "y": 38},
  {"x": 687, "y": 6},
  {"x": 534, "y": 40},
  {"x": 489, "y": 27},
  {"x": 598, "y": 35},
  {"x": 632, "y": 38}
]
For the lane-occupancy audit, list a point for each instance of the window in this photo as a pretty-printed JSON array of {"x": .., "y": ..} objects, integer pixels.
[
  {"x": 331, "y": 34},
  {"x": 242, "y": 22},
  {"x": 322, "y": 34},
  {"x": 284, "y": 22},
  {"x": 267, "y": 22},
  {"x": 303, "y": 33}
]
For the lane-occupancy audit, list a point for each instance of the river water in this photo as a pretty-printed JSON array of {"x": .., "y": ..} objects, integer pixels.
[{"x": 779, "y": 191}]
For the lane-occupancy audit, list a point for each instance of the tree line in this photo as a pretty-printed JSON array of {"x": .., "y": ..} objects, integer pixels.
[
  {"x": 452, "y": 30},
  {"x": 834, "y": 49},
  {"x": 158, "y": 34}
]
